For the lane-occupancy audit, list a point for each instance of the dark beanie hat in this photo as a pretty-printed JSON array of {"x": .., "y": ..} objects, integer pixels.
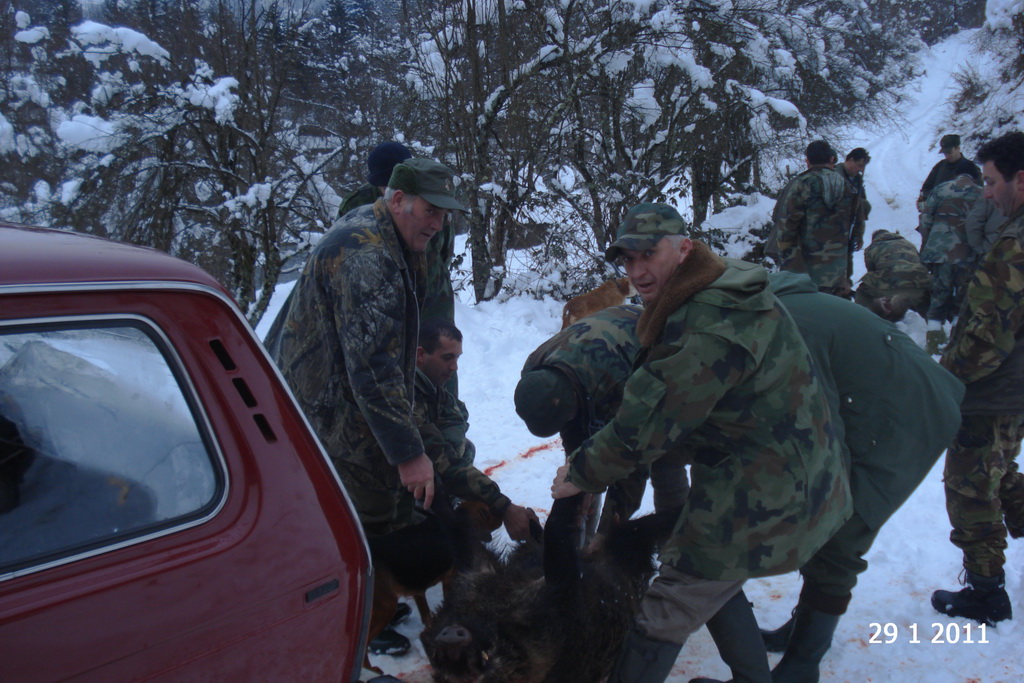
[
  {"x": 382, "y": 160},
  {"x": 949, "y": 142},
  {"x": 545, "y": 400}
]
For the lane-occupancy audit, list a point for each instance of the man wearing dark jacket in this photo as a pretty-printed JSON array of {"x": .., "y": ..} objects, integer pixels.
[
  {"x": 948, "y": 169},
  {"x": 895, "y": 410},
  {"x": 984, "y": 489}
]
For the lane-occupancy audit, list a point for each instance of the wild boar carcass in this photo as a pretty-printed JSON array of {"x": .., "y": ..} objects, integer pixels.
[{"x": 544, "y": 614}]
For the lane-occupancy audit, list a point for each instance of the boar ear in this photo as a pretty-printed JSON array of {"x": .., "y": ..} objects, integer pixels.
[
  {"x": 561, "y": 543},
  {"x": 536, "y": 531}
]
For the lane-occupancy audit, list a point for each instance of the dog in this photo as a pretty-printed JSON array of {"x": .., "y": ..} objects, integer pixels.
[
  {"x": 411, "y": 560},
  {"x": 611, "y": 293}
]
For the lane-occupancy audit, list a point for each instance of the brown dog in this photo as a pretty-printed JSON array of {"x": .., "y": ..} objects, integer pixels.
[{"x": 611, "y": 293}]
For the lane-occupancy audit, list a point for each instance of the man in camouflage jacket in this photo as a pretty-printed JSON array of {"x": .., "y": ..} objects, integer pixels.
[
  {"x": 896, "y": 280},
  {"x": 895, "y": 410},
  {"x": 438, "y": 296},
  {"x": 812, "y": 227},
  {"x": 346, "y": 341},
  {"x": 725, "y": 384},
  {"x": 984, "y": 489},
  {"x": 944, "y": 247},
  {"x": 572, "y": 384},
  {"x": 852, "y": 171},
  {"x": 443, "y": 421}
]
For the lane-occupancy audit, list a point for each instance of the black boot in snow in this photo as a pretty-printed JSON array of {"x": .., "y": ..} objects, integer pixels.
[
  {"x": 777, "y": 640},
  {"x": 643, "y": 660},
  {"x": 983, "y": 599},
  {"x": 810, "y": 640},
  {"x": 735, "y": 632}
]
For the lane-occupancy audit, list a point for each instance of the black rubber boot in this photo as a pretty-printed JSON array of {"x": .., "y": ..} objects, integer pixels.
[
  {"x": 643, "y": 660},
  {"x": 983, "y": 599},
  {"x": 389, "y": 642},
  {"x": 402, "y": 613},
  {"x": 810, "y": 640},
  {"x": 777, "y": 640},
  {"x": 735, "y": 632}
]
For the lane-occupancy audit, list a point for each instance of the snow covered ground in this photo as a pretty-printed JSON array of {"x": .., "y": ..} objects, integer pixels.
[{"x": 890, "y": 633}]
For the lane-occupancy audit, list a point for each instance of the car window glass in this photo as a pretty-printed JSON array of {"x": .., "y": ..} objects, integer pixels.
[{"x": 98, "y": 443}]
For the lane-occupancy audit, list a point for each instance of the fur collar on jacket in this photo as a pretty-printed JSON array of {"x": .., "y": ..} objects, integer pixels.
[{"x": 701, "y": 268}]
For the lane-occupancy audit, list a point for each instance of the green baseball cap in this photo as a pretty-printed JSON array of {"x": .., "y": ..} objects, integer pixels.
[
  {"x": 644, "y": 225},
  {"x": 545, "y": 401},
  {"x": 427, "y": 179}
]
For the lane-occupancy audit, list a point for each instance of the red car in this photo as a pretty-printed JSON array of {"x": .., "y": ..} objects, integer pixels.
[{"x": 165, "y": 509}]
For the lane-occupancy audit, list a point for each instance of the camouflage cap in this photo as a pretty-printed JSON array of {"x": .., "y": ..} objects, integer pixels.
[
  {"x": 644, "y": 225},
  {"x": 948, "y": 142},
  {"x": 545, "y": 400},
  {"x": 427, "y": 179}
]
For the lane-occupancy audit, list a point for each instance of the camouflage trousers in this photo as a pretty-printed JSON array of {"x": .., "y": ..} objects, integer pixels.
[
  {"x": 981, "y": 471},
  {"x": 833, "y": 570},
  {"x": 949, "y": 284}
]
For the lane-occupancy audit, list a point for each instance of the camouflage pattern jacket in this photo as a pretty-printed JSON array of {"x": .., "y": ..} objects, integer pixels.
[
  {"x": 346, "y": 343},
  {"x": 861, "y": 206},
  {"x": 596, "y": 354},
  {"x": 893, "y": 266},
  {"x": 365, "y": 194},
  {"x": 943, "y": 224},
  {"x": 986, "y": 349},
  {"x": 439, "y": 297},
  {"x": 443, "y": 421},
  {"x": 944, "y": 171},
  {"x": 726, "y": 384},
  {"x": 895, "y": 409},
  {"x": 813, "y": 226}
]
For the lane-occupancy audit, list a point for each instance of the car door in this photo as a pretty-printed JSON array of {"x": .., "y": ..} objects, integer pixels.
[{"x": 169, "y": 513}]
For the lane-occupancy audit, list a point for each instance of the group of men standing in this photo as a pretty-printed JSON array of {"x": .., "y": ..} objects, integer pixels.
[
  {"x": 819, "y": 218},
  {"x": 970, "y": 259},
  {"x": 804, "y": 419}
]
